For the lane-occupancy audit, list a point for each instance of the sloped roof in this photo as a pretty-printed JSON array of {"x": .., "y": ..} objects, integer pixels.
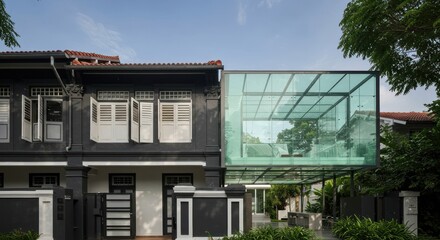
[
  {"x": 210, "y": 63},
  {"x": 88, "y": 60},
  {"x": 408, "y": 116},
  {"x": 70, "y": 54}
]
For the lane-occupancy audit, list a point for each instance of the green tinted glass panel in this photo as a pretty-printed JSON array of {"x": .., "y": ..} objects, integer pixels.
[{"x": 278, "y": 122}]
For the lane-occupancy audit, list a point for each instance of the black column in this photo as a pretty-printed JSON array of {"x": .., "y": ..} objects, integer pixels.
[
  {"x": 76, "y": 179},
  {"x": 334, "y": 196}
]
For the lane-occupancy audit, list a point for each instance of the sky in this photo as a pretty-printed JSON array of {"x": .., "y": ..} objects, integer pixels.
[{"x": 244, "y": 34}]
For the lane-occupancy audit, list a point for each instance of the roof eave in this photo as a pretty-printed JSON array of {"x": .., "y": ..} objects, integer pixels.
[
  {"x": 145, "y": 67},
  {"x": 58, "y": 55}
]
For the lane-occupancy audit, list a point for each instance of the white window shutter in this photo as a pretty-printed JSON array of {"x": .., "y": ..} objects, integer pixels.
[
  {"x": 120, "y": 133},
  {"x": 94, "y": 116},
  {"x": 146, "y": 122},
  {"x": 105, "y": 121},
  {"x": 183, "y": 121},
  {"x": 4, "y": 120},
  {"x": 40, "y": 115},
  {"x": 166, "y": 122},
  {"x": 134, "y": 120},
  {"x": 26, "y": 119}
]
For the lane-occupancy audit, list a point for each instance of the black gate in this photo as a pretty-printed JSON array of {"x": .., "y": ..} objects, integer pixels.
[{"x": 110, "y": 215}]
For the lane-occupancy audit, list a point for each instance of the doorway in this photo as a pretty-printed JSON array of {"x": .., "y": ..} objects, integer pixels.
[{"x": 168, "y": 182}]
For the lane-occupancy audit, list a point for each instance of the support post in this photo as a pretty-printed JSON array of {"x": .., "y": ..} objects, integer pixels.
[
  {"x": 323, "y": 196},
  {"x": 334, "y": 196},
  {"x": 351, "y": 183},
  {"x": 302, "y": 198}
]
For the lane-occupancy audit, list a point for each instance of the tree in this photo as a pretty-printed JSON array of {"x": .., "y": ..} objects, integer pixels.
[
  {"x": 7, "y": 32},
  {"x": 278, "y": 196},
  {"x": 300, "y": 137},
  {"x": 406, "y": 164},
  {"x": 401, "y": 38}
]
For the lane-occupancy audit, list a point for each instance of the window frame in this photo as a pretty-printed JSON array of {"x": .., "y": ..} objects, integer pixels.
[
  {"x": 98, "y": 120},
  {"x": 175, "y": 126},
  {"x": 2, "y": 180},
  {"x": 5, "y": 113},
  {"x": 44, "y": 175},
  {"x": 36, "y": 131}
]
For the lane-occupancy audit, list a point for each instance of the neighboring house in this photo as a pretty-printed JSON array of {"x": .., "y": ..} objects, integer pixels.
[
  {"x": 407, "y": 123},
  {"x": 89, "y": 123}
]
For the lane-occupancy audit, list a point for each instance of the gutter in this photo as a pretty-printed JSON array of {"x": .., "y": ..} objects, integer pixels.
[{"x": 57, "y": 76}]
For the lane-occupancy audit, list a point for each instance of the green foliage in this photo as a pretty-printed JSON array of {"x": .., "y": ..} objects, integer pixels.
[
  {"x": 269, "y": 233},
  {"x": 248, "y": 138},
  {"x": 19, "y": 235},
  {"x": 406, "y": 163},
  {"x": 7, "y": 32},
  {"x": 300, "y": 137},
  {"x": 328, "y": 193},
  {"x": 354, "y": 228},
  {"x": 400, "y": 38},
  {"x": 277, "y": 197}
]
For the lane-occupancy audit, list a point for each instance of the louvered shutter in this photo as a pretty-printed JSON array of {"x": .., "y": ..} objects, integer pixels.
[
  {"x": 94, "y": 128},
  {"x": 105, "y": 122},
  {"x": 26, "y": 119},
  {"x": 120, "y": 133},
  {"x": 146, "y": 122},
  {"x": 134, "y": 120},
  {"x": 4, "y": 120},
  {"x": 183, "y": 129},
  {"x": 166, "y": 122},
  {"x": 40, "y": 114}
]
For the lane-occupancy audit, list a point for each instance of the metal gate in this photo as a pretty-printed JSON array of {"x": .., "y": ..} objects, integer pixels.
[{"x": 118, "y": 216}]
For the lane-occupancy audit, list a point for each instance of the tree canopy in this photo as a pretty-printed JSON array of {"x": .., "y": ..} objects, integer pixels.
[
  {"x": 7, "y": 32},
  {"x": 401, "y": 38}
]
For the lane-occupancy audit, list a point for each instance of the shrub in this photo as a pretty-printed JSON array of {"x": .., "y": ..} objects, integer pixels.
[
  {"x": 19, "y": 235},
  {"x": 353, "y": 228},
  {"x": 270, "y": 233}
]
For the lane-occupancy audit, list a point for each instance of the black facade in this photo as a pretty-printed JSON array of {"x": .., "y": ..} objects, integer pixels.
[{"x": 64, "y": 145}]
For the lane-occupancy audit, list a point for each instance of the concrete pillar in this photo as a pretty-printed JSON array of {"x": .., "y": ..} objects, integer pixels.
[
  {"x": 410, "y": 209},
  {"x": 76, "y": 179}
]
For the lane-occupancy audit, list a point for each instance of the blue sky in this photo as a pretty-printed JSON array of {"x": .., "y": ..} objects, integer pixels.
[{"x": 244, "y": 34}]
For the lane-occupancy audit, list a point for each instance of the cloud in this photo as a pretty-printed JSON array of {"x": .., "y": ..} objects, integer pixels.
[
  {"x": 105, "y": 38},
  {"x": 242, "y": 9},
  {"x": 268, "y": 3}
]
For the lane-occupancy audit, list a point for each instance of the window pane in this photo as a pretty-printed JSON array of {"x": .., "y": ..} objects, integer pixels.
[{"x": 54, "y": 111}]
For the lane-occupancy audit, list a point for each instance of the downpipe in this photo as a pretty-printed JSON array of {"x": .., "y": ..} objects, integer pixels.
[{"x": 57, "y": 76}]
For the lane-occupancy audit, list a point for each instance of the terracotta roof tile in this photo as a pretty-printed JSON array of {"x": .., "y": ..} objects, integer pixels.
[
  {"x": 78, "y": 54},
  {"x": 408, "y": 116},
  {"x": 27, "y": 52},
  {"x": 210, "y": 63},
  {"x": 68, "y": 53}
]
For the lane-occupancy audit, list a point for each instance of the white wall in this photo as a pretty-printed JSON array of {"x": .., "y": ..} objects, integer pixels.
[
  {"x": 148, "y": 191},
  {"x": 18, "y": 177}
]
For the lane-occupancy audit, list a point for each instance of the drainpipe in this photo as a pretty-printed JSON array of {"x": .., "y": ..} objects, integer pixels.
[{"x": 57, "y": 76}]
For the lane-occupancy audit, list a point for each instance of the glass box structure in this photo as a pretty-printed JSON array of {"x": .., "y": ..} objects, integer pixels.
[{"x": 298, "y": 127}]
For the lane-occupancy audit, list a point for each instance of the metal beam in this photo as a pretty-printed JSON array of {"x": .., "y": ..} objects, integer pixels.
[
  {"x": 261, "y": 99},
  {"x": 305, "y": 92}
]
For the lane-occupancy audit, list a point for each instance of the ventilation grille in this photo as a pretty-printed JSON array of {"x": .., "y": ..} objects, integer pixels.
[
  {"x": 174, "y": 180},
  {"x": 144, "y": 95},
  {"x": 5, "y": 92},
  {"x": 113, "y": 95},
  {"x": 175, "y": 95},
  {"x": 46, "y": 91},
  {"x": 124, "y": 180}
]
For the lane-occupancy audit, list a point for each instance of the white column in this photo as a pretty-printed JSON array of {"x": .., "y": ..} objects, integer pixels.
[
  {"x": 240, "y": 215},
  {"x": 410, "y": 209}
]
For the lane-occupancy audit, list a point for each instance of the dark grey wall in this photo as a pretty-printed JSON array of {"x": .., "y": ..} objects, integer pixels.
[
  {"x": 210, "y": 217},
  {"x": 18, "y": 213}
]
